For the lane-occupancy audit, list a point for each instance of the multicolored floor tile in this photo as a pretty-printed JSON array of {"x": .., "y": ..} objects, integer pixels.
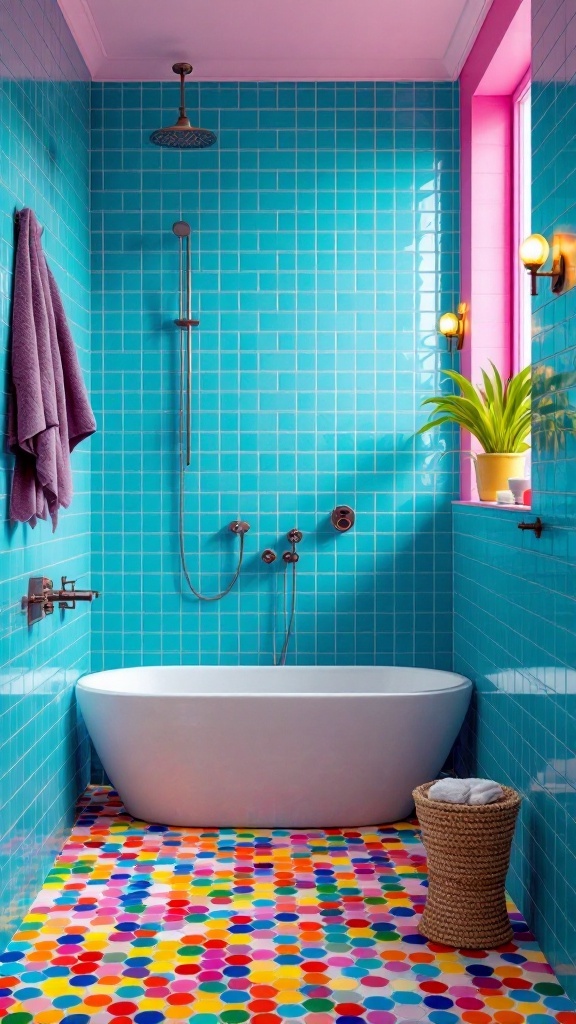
[{"x": 143, "y": 923}]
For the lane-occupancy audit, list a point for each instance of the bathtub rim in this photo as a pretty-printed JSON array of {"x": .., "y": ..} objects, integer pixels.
[{"x": 454, "y": 682}]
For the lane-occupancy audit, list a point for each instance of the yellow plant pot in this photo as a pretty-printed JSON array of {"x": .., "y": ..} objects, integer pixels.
[{"x": 494, "y": 470}]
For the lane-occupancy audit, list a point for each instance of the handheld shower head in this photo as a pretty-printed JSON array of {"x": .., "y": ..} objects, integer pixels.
[{"x": 183, "y": 135}]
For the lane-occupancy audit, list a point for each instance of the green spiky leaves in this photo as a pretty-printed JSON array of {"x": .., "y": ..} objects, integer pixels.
[{"x": 498, "y": 415}]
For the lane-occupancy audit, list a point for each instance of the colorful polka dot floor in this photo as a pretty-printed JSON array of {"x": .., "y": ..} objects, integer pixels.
[{"x": 143, "y": 923}]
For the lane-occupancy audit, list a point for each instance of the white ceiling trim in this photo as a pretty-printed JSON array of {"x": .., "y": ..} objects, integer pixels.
[
  {"x": 103, "y": 68},
  {"x": 464, "y": 36},
  {"x": 276, "y": 70},
  {"x": 86, "y": 35}
]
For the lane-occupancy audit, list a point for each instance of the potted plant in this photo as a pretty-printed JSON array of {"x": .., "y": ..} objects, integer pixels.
[{"x": 498, "y": 416}]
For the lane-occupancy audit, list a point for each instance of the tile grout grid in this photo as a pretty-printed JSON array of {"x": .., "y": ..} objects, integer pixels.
[{"x": 145, "y": 923}]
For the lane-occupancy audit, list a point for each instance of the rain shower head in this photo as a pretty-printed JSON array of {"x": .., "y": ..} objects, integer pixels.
[{"x": 183, "y": 135}]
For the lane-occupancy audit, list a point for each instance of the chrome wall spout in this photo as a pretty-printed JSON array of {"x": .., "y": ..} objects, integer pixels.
[{"x": 41, "y": 597}]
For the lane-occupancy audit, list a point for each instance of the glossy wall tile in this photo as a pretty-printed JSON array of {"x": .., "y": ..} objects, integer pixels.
[
  {"x": 44, "y": 161},
  {"x": 554, "y": 210},
  {"x": 325, "y": 243},
  {"x": 515, "y": 596},
  {"x": 514, "y": 621}
]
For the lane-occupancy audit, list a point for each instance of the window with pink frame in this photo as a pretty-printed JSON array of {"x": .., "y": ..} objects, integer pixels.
[{"x": 522, "y": 217}]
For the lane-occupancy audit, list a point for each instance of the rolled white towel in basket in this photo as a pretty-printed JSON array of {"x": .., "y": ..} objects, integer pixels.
[
  {"x": 484, "y": 791},
  {"x": 451, "y": 791},
  {"x": 466, "y": 791}
]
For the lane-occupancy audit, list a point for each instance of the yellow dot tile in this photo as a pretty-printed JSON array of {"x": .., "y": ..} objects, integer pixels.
[{"x": 342, "y": 984}]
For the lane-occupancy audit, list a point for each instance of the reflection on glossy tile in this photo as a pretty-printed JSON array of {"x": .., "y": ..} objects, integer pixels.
[
  {"x": 325, "y": 243},
  {"x": 554, "y": 209},
  {"x": 515, "y": 597},
  {"x": 44, "y": 139},
  {"x": 515, "y": 635}
]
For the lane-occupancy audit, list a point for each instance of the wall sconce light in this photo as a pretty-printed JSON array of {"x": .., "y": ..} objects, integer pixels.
[
  {"x": 451, "y": 325},
  {"x": 534, "y": 252}
]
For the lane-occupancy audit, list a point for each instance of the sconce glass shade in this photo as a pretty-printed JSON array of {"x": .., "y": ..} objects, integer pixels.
[
  {"x": 449, "y": 325},
  {"x": 534, "y": 251}
]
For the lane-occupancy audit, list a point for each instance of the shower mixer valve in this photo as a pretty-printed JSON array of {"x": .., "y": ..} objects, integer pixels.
[
  {"x": 294, "y": 536},
  {"x": 343, "y": 518}
]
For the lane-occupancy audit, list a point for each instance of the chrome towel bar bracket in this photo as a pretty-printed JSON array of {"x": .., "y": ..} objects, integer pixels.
[{"x": 536, "y": 526}]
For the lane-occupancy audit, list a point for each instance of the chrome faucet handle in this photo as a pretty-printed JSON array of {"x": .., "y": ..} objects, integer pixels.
[
  {"x": 72, "y": 585},
  {"x": 66, "y": 581}
]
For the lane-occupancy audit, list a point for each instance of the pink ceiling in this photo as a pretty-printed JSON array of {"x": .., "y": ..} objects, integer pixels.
[{"x": 275, "y": 40}]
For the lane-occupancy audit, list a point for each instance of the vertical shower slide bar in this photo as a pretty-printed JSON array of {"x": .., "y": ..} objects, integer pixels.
[
  {"x": 185, "y": 322},
  {"x": 188, "y": 350}
]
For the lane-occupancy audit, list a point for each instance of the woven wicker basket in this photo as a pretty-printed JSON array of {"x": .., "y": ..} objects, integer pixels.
[{"x": 468, "y": 851}]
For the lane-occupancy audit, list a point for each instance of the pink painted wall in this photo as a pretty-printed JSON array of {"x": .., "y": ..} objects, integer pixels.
[{"x": 497, "y": 61}]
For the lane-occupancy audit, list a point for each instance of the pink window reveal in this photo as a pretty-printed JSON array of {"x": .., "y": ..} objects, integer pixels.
[
  {"x": 522, "y": 185},
  {"x": 495, "y": 134}
]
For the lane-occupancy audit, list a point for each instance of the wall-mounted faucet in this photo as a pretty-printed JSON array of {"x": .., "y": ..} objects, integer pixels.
[{"x": 41, "y": 597}]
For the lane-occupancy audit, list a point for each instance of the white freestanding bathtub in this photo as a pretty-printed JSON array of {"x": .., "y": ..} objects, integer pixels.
[{"x": 265, "y": 747}]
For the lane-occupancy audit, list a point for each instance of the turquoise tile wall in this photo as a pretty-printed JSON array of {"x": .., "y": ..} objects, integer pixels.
[
  {"x": 515, "y": 596},
  {"x": 514, "y": 621},
  {"x": 325, "y": 243},
  {"x": 44, "y": 163},
  {"x": 554, "y": 210}
]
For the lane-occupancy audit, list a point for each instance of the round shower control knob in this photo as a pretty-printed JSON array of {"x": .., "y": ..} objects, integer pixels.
[
  {"x": 343, "y": 518},
  {"x": 268, "y": 556},
  {"x": 294, "y": 536}
]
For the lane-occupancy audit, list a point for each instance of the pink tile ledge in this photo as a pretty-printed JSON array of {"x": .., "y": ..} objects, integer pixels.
[{"x": 495, "y": 504}]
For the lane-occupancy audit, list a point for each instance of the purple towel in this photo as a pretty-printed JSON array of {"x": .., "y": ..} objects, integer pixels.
[{"x": 49, "y": 410}]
